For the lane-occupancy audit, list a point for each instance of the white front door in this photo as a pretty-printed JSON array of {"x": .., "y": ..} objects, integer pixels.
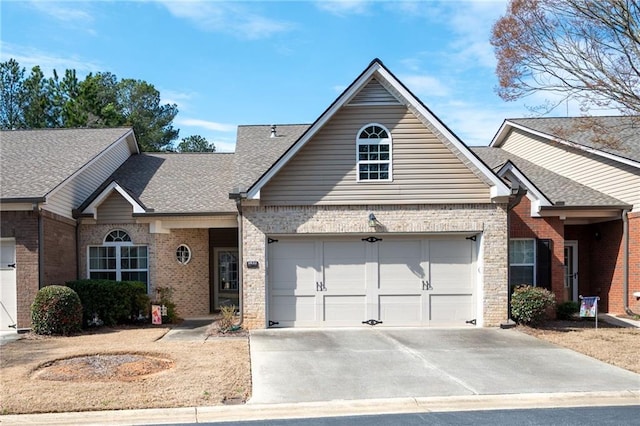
[
  {"x": 393, "y": 280},
  {"x": 8, "y": 293}
]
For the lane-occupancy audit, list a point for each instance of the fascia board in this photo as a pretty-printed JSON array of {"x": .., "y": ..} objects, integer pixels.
[
  {"x": 509, "y": 167},
  {"x": 94, "y": 159},
  {"x": 501, "y": 134},
  {"x": 92, "y": 208},
  {"x": 254, "y": 191},
  {"x": 498, "y": 141}
]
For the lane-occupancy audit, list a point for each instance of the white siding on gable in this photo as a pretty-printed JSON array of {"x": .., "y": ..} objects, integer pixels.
[
  {"x": 115, "y": 209},
  {"x": 424, "y": 170},
  {"x": 374, "y": 93},
  {"x": 75, "y": 191},
  {"x": 605, "y": 175}
]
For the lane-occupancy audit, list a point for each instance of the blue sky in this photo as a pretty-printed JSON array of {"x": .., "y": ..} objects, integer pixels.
[{"x": 231, "y": 63}]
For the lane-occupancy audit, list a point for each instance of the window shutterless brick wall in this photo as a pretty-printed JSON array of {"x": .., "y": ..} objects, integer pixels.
[
  {"x": 60, "y": 249},
  {"x": 488, "y": 219}
]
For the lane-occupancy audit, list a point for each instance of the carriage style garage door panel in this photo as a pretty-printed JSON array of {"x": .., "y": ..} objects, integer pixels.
[{"x": 396, "y": 280}]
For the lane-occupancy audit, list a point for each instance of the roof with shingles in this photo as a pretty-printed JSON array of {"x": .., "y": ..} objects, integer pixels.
[
  {"x": 179, "y": 183},
  {"x": 34, "y": 162},
  {"x": 617, "y": 135},
  {"x": 257, "y": 151},
  {"x": 555, "y": 187}
]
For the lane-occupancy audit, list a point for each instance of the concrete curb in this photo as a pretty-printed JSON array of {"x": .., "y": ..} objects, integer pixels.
[{"x": 327, "y": 409}]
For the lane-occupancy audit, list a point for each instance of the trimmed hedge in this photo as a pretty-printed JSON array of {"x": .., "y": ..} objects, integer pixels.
[
  {"x": 566, "y": 310},
  {"x": 529, "y": 305},
  {"x": 111, "y": 302},
  {"x": 56, "y": 310}
]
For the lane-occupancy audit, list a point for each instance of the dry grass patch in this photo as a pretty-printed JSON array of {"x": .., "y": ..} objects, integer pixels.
[
  {"x": 133, "y": 369},
  {"x": 613, "y": 345}
]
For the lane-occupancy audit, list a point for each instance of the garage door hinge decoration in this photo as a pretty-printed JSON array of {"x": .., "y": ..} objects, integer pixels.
[
  {"x": 472, "y": 238},
  {"x": 272, "y": 323},
  {"x": 472, "y": 322},
  {"x": 271, "y": 240},
  {"x": 372, "y": 322},
  {"x": 372, "y": 239}
]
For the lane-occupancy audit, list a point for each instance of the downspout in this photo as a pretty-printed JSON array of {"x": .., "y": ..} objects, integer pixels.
[
  {"x": 516, "y": 197},
  {"x": 238, "y": 197},
  {"x": 38, "y": 209},
  {"x": 625, "y": 262}
]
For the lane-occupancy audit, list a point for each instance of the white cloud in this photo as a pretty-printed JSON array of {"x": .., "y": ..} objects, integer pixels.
[
  {"x": 230, "y": 18},
  {"x": 29, "y": 57},
  {"x": 179, "y": 98},
  {"x": 204, "y": 124},
  {"x": 425, "y": 85},
  {"x": 343, "y": 7},
  {"x": 63, "y": 11}
]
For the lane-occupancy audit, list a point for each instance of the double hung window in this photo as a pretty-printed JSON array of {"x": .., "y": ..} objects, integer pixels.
[
  {"x": 119, "y": 259},
  {"x": 374, "y": 149}
]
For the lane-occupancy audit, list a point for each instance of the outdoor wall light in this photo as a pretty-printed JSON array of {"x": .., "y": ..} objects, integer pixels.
[{"x": 372, "y": 220}]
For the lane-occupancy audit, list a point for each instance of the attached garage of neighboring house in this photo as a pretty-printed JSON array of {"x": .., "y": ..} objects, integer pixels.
[{"x": 393, "y": 280}]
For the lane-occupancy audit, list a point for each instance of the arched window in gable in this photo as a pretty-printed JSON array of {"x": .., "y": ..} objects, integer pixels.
[{"x": 374, "y": 149}]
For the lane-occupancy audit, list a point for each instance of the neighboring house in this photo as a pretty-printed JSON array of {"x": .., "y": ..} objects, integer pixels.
[
  {"x": 577, "y": 231},
  {"x": 44, "y": 176},
  {"x": 375, "y": 213}
]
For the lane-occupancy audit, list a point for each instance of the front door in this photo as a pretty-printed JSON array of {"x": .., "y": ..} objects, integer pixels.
[
  {"x": 226, "y": 276},
  {"x": 571, "y": 270}
]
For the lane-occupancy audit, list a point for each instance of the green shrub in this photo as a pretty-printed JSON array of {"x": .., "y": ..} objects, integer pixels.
[
  {"x": 107, "y": 302},
  {"x": 164, "y": 297},
  {"x": 56, "y": 310},
  {"x": 529, "y": 305},
  {"x": 567, "y": 310}
]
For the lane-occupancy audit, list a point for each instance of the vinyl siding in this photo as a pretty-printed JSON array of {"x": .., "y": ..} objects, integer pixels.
[
  {"x": 608, "y": 176},
  {"x": 374, "y": 94},
  {"x": 74, "y": 191},
  {"x": 115, "y": 209},
  {"x": 424, "y": 170}
]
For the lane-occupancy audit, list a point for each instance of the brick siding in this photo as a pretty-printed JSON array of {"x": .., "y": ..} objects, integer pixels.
[
  {"x": 522, "y": 225},
  {"x": 489, "y": 219},
  {"x": 23, "y": 226},
  {"x": 190, "y": 282}
]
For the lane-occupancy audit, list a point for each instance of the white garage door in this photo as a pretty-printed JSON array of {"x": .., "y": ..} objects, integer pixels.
[
  {"x": 8, "y": 301},
  {"x": 396, "y": 281}
]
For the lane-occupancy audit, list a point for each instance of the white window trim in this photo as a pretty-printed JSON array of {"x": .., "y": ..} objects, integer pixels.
[
  {"x": 535, "y": 258},
  {"x": 188, "y": 251},
  {"x": 388, "y": 141},
  {"x": 117, "y": 244}
]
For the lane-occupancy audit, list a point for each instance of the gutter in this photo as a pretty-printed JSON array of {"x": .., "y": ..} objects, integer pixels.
[
  {"x": 238, "y": 197},
  {"x": 625, "y": 263}
]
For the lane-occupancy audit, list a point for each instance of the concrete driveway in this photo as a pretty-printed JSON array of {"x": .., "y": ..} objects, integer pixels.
[{"x": 295, "y": 365}]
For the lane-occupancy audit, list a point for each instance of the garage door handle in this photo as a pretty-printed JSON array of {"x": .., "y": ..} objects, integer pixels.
[{"x": 426, "y": 285}]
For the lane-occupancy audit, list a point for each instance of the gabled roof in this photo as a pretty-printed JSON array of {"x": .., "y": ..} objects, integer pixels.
[
  {"x": 615, "y": 137},
  {"x": 35, "y": 162},
  {"x": 559, "y": 190},
  {"x": 165, "y": 184},
  {"x": 377, "y": 70}
]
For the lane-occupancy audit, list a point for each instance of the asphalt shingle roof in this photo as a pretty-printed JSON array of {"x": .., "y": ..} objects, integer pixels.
[
  {"x": 617, "y": 135},
  {"x": 555, "y": 187},
  {"x": 34, "y": 162},
  {"x": 179, "y": 183},
  {"x": 257, "y": 151}
]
